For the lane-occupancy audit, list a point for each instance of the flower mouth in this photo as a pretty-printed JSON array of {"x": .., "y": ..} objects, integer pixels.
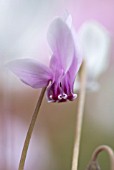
[
  {"x": 61, "y": 98},
  {"x": 57, "y": 94},
  {"x": 58, "y": 98}
]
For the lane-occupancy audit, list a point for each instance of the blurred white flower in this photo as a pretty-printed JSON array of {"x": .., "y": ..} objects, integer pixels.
[{"x": 94, "y": 44}]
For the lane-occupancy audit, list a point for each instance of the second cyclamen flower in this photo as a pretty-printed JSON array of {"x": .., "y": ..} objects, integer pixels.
[{"x": 64, "y": 64}]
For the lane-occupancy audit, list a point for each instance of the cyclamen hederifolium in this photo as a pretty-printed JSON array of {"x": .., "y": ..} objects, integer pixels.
[{"x": 64, "y": 64}]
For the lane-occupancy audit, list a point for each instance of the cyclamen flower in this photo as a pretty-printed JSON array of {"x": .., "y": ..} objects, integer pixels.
[
  {"x": 94, "y": 43},
  {"x": 64, "y": 64}
]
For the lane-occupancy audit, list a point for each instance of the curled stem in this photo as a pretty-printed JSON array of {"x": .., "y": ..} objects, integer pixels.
[
  {"x": 30, "y": 130},
  {"x": 108, "y": 150},
  {"x": 79, "y": 116}
]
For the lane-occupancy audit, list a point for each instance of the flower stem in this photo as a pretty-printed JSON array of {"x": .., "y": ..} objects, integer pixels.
[
  {"x": 108, "y": 150},
  {"x": 79, "y": 116},
  {"x": 30, "y": 130}
]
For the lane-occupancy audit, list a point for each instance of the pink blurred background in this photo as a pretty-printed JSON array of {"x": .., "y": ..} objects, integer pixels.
[{"x": 23, "y": 28}]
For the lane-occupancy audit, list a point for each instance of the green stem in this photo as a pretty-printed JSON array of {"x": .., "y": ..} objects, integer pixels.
[
  {"x": 79, "y": 116},
  {"x": 30, "y": 130}
]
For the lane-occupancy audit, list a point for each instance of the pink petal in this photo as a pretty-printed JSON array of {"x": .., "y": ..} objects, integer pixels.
[
  {"x": 75, "y": 66},
  {"x": 31, "y": 72},
  {"x": 68, "y": 19},
  {"x": 62, "y": 43}
]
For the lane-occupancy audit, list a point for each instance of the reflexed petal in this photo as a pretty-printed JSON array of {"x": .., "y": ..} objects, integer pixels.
[
  {"x": 31, "y": 72},
  {"x": 68, "y": 19},
  {"x": 77, "y": 59},
  {"x": 72, "y": 73},
  {"x": 56, "y": 68},
  {"x": 75, "y": 66},
  {"x": 62, "y": 43}
]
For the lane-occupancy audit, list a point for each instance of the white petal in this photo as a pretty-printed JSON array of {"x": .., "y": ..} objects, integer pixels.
[{"x": 94, "y": 42}]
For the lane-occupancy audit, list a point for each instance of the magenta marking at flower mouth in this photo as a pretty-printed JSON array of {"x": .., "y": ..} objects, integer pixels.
[{"x": 64, "y": 64}]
